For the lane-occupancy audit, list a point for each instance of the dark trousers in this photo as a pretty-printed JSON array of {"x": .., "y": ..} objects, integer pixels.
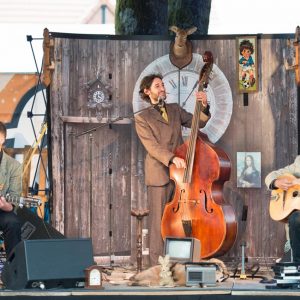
[
  {"x": 294, "y": 231},
  {"x": 158, "y": 196},
  {"x": 11, "y": 228}
]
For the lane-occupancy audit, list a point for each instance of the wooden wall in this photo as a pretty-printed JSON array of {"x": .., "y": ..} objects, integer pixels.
[{"x": 104, "y": 168}]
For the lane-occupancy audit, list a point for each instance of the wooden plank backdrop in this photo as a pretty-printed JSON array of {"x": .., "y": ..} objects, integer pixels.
[{"x": 98, "y": 177}]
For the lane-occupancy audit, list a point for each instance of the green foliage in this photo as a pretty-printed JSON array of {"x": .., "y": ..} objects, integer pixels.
[
  {"x": 188, "y": 13},
  {"x": 176, "y": 15},
  {"x": 155, "y": 16},
  {"x": 127, "y": 16}
]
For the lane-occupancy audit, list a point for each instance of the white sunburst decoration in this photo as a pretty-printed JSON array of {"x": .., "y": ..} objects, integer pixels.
[{"x": 181, "y": 86}]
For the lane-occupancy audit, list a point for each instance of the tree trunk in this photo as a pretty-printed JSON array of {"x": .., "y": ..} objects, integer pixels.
[
  {"x": 188, "y": 13},
  {"x": 147, "y": 17},
  {"x": 152, "y": 17}
]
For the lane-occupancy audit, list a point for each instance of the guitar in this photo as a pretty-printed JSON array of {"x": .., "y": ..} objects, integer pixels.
[
  {"x": 283, "y": 203},
  {"x": 22, "y": 201}
]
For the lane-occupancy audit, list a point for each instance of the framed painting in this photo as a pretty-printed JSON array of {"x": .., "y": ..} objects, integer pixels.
[
  {"x": 247, "y": 64},
  {"x": 248, "y": 169}
]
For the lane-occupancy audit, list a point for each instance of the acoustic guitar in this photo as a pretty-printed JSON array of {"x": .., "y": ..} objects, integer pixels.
[
  {"x": 22, "y": 201},
  {"x": 283, "y": 203}
]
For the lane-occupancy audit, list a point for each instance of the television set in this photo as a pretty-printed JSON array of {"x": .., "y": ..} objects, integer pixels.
[{"x": 185, "y": 249}]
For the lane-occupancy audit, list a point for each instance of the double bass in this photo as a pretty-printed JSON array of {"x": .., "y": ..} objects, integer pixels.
[{"x": 198, "y": 208}]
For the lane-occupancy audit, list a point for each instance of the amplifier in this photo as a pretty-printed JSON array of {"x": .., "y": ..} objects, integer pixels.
[{"x": 200, "y": 275}]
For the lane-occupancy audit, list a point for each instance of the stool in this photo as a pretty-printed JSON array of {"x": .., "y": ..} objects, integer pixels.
[{"x": 139, "y": 214}]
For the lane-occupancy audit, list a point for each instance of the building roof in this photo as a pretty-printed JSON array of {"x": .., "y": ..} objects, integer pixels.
[{"x": 50, "y": 11}]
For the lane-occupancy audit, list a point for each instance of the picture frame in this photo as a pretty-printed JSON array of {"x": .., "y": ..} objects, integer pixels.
[
  {"x": 248, "y": 169},
  {"x": 247, "y": 65}
]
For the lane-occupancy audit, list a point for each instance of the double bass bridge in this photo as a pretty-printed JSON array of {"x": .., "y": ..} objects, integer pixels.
[
  {"x": 182, "y": 201},
  {"x": 185, "y": 205}
]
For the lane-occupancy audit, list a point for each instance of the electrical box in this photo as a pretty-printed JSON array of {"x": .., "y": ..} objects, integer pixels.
[{"x": 200, "y": 274}]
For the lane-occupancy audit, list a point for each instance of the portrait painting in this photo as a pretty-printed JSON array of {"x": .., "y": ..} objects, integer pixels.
[
  {"x": 249, "y": 169},
  {"x": 247, "y": 64}
]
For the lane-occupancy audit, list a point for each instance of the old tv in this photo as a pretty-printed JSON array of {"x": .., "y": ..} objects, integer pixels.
[{"x": 185, "y": 249}]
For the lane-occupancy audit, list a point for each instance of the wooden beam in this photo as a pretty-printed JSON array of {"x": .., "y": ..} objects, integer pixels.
[{"x": 94, "y": 120}]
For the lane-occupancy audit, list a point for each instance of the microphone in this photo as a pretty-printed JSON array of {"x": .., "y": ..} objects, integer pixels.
[{"x": 161, "y": 101}]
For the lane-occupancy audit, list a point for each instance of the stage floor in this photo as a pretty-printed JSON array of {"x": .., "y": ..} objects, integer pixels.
[{"x": 232, "y": 288}]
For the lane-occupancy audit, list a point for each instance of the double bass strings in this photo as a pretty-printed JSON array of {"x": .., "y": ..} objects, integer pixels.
[{"x": 192, "y": 144}]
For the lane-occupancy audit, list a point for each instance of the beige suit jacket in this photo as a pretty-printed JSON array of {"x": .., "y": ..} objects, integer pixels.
[
  {"x": 10, "y": 176},
  {"x": 161, "y": 138},
  {"x": 293, "y": 169}
]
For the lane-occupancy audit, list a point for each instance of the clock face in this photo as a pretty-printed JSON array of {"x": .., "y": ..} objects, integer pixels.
[
  {"x": 98, "y": 96},
  {"x": 95, "y": 277},
  {"x": 181, "y": 87}
]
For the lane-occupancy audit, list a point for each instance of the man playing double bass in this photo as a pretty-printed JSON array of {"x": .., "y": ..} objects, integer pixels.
[{"x": 159, "y": 129}]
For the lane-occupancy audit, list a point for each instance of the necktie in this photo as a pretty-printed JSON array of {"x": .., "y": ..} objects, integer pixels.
[{"x": 164, "y": 113}]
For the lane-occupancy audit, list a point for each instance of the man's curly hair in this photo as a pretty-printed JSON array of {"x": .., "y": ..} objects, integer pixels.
[{"x": 146, "y": 84}]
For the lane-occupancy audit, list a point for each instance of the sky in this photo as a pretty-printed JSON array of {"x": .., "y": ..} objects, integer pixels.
[
  {"x": 16, "y": 56},
  {"x": 255, "y": 16},
  {"x": 227, "y": 17}
]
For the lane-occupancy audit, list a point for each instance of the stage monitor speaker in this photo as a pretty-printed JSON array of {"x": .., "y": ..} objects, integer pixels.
[
  {"x": 58, "y": 263},
  {"x": 34, "y": 228}
]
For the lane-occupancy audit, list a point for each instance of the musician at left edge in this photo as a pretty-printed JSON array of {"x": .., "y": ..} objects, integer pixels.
[
  {"x": 10, "y": 183},
  {"x": 282, "y": 182}
]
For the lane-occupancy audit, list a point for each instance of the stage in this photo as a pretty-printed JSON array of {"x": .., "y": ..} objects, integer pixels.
[
  {"x": 232, "y": 288},
  {"x": 100, "y": 175}
]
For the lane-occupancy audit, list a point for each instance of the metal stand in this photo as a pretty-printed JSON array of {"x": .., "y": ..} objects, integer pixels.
[
  {"x": 111, "y": 256},
  {"x": 111, "y": 121},
  {"x": 91, "y": 184},
  {"x": 43, "y": 143},
  {"x": 243, "y": 273},
  {"x": 139, "y": 214}
]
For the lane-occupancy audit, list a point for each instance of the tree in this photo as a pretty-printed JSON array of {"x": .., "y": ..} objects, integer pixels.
[
  {"x": 141, "y": 17},
  {"x": 152, "y": 17},
  {"x": 188, "y": 13}
]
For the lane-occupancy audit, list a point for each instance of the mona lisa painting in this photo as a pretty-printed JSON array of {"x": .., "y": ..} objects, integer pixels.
[{"x": 249, "y": 169}]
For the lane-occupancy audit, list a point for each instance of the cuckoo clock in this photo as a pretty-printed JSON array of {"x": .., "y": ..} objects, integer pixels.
[
  {"x": 99, "y": 97},
  {"x": 97, "y": 93}
]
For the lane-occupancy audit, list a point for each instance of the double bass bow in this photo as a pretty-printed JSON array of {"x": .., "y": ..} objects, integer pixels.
[{"x": 198, "y": 208}]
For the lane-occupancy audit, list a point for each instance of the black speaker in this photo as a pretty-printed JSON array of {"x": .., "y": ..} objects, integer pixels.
[
  {"x": 48, "y": 264},
  {"x": 34, "y": 228}
]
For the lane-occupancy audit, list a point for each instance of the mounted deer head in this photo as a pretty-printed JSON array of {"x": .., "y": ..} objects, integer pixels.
[
  {"x": 181, "y": 49},
  {"x": 180, "y": 46}
]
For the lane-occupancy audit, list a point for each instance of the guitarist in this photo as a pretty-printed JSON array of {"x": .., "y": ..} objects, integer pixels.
[
  {"x": 273, "y": 182},
  {"x": 10, "y": 182}
]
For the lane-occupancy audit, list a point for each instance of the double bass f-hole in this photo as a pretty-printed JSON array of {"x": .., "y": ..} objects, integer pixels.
[
  {"x": 209, "y": 211},
  {"x": 175, "y": 209}
]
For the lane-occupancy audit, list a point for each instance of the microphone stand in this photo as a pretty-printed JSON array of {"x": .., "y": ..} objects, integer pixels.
[{"x": 110, "y": 121}]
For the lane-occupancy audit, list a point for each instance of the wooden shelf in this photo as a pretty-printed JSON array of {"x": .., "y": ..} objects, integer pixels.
[{"x": 94, "y": 120}]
